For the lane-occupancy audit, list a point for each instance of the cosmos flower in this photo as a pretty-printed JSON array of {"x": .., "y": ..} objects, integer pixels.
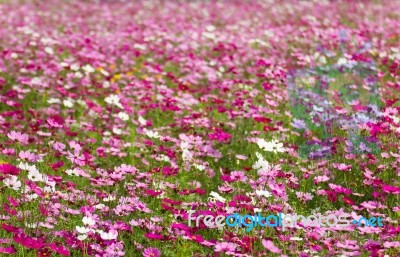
[
  {"x": 82, "y": 230},
  {"x": 264, "y": 193},
  {"x": 261, "y": 165},
  {"x": 139, "y": 108},
  {"x": 225, "y": 247},
  {"x": 271, "y": 146},
  {"x": 151, "y": 134},
  {"x": 88, "y": 221},
  {"x": 269, "y": 245},
  {"x": 217, "y": 197},
  {"x": 12, "y": 182},
  {"x": 305, "y": 197},
  {"x": 151, "y": 252},
  {"x": 110, "y": 235},
  {"x": 6, "y": 168},
  {"x": 8, "y": 250},
  {"x": 18, "y": 136},
  {"x": 123, "y": 116},
  {"x": 113, "y": 100}
]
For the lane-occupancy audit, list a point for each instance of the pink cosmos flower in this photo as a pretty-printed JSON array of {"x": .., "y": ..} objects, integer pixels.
[
  {"x": 269, "y": 245},
  {"x": 220, "y": 136},
  {"x": 26, "y": 155},
  {"x": 28, "y": 242},
  {"x": 55, "y": 121},
  {"x": 60, "y": 249},
  {"x": 342, "y": 166},
  {"x": 151, "y": 252},
  {"x": 18, "y": 136},
  {"x": 225, "y": 247},
  {"x": 76, "y": 158},
  {"x": 304, "y": 196},
  {"x": 6, "y": 168},
  {"x": 58, "y": 146},
  {"x": 8, "y": 250},
  {"x": 391, "y": 189},
  {"x": 115, "y": 249}
]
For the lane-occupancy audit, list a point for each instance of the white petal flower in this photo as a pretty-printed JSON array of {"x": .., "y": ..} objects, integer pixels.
[
  {"x": 271, "y": 146},
  {"x": 117, "y": 131},
  {"x": 82, "y": 230},
  {"x": 217, "y": 197},
  {"x": 82, "y": 237},
  {"x": 123, "y": 116},
  {"x": 35, "y": 176},
  {"x": 263, "y": 193},
  {"x": 113, "y": 100},
  {"x": 88, "y": 68},
  {"x": 12, "y": 182},
  {"x": 111, "y": 235},
  {"x": 152, "y": 134},
  {"x": 142, "y": 121},
  {"x": 49, "y": 50},
  {"x": 53, "y": 101},
  {"x": 75, "y": 67},
  {"x": 68, "y": 103}
]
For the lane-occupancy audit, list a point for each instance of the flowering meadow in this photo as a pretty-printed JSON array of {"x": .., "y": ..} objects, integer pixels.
[{"x": 119, "y": 118}]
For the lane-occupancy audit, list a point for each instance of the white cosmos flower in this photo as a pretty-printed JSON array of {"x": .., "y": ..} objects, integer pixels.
[
  {"x": 111, "y": 235},
  {"x": 68, "y": 103},
  {"x": 53, "y": 101},
  {"x": 109, "y": 198},
  {"x": 295, "y": 238},
  {"x": 82, "y": 237},
  {"x": 263, "y": 193},
  {"x": 29, "y": 168},
  {"x": 30, "y": 225},
  {"x": 261, "y": 164},
  {"x": 216, "y": 196},
  {"x": 77, "y": 75},
  {"x": 99, "y": 206},
  {"x": 88, "y": 68},
  {"x": 117, "y": 131},
  {"x": 186, "y": 154},
  {"x": 199, "y": 166},
  {"x": 152, "y": 134},
  {"x": 88, "y": 221},
  {"x": 12, "y": 182},
  {"x": 35, "y": 176},
  {"x": 82, "y": 230},
  {"x": 75, "y": 67},
  {"x": 113, "y": 100},
  {"x": 271, "y": 146},
  {"x": 142, "y": 121},
  {"x": 123, "y": 116},
  {"x": 49, "y": 50},
  {"x": 73, "y": 172},
  {"x": 31, "y": 196}
]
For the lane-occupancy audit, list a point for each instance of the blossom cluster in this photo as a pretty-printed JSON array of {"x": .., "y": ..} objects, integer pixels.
[{"x": 120, "y": 118}]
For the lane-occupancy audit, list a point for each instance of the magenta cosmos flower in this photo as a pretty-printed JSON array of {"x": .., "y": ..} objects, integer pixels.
[
  {"x": 151, "y": 252},
  {"x": 9, "y": 169}
]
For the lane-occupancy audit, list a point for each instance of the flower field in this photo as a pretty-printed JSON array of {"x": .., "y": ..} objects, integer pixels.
[{"x": 124, "y": 123}]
